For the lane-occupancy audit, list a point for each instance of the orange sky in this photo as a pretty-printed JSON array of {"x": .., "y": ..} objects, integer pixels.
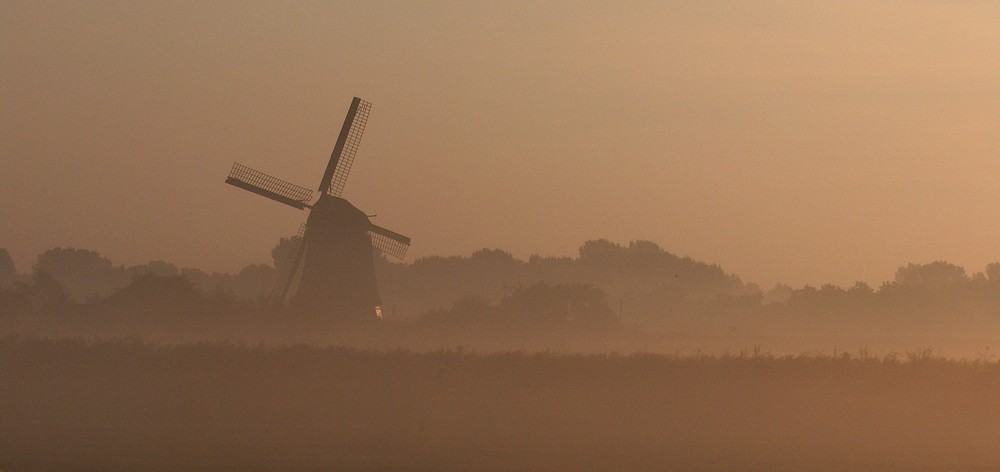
[{"x": 796, "y": 142}]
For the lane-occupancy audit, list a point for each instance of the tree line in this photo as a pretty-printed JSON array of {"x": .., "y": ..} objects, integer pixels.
[{"x": 639, "y": 284}]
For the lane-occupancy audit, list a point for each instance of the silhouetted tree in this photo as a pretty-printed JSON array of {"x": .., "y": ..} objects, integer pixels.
[
  {"x": 280, "y": 254},
  {"x": 466, "y": 312},
  {"x": 160, "y": 295},
  {"x": 536, "y": 307},
  {"x": 659, "y": 285},
  {"x": 936, "y": 275},
  {"x": 861, "y": 289},
  {"x": 43, "y": 296},
  {"x": 40, "y": 294},
  {"x": 993, "y": 272},
  {"x": 574, "y": 304},
  {"x": 161, "y": 268},
  {"x": 779, "y": 294},
  {"x": 7, "y": 272},
  {"x": 600, "y": 252},
  {"x": 84, "y": 273},
  {"x": 254, "y": 282}
]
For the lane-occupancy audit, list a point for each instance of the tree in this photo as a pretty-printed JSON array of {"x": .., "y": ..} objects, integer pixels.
[
  {"x": 861, "y": 289},
  {"x": 254, "y": 281},
  {"x": 572, "y": 304},
  {"x": 466, "y": 311},
  {"x": 150, "y": 293},
  {"x": 536, "y": 307},
  {"x": 993, "y": 272},
  {"x": 491, "y": 258},
  {"x": 599, "y": 252},
  {"x": 936, "y": 275},
  {"x": 281, "y": 253},
  {"x": 493, "y": 266},
  {"x": 781, "y": 293},
  {"x": 645, "y": 249},
  {"x": 7, "y": 272},
  {"x": 161, "y": 268},
  {"x": 47, "y": 292},
  {"x": 84, "y": 273},
  {"x": 861, "y": 293}
]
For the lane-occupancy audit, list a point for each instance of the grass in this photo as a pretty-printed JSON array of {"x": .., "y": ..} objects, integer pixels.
[{"x": 126, "y": 405}]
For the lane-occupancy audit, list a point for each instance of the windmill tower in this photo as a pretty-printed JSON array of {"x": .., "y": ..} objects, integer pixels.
[{"x": 333, "y": 258}]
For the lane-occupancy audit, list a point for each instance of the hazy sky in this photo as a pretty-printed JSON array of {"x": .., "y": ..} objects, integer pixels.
[{"x": 796, "y": 142}]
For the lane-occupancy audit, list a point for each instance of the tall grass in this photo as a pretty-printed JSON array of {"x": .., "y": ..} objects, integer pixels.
[{"x": 126, "y": 405}]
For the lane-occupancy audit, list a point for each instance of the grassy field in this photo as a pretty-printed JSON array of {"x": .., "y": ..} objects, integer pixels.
[{"x": 124, "y": 405}]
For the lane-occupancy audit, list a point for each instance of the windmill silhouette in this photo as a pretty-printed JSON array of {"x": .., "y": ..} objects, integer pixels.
[{"x": 334, "y": 245}]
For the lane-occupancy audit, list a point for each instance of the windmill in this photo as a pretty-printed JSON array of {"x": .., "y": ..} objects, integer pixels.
[{"x": 334, "y": 247}]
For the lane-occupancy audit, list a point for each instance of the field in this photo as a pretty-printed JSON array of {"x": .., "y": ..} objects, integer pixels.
[{"x": 125, "y": 405}]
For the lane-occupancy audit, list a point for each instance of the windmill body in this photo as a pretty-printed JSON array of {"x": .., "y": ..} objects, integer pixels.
[
  {"x": 334, "y": 253},
  {"x": 338, "y": 272}
]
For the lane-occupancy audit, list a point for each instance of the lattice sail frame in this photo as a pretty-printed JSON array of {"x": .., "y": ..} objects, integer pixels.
[
  {"x": 269, "y": 186},
  {"x": 343, "y": 169},
  {"x": 388, "y": 242}
]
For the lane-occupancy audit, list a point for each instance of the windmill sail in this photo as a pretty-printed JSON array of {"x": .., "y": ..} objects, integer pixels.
[
  {"x": 271, "y": 187},
  {"x": 290, "y": 265},
  {"x": 389, "y": 242},
  {"x": 346, "y": 148}
]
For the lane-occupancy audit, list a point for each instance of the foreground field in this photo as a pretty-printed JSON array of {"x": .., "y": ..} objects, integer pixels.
[{"x": 71, "y": 405}]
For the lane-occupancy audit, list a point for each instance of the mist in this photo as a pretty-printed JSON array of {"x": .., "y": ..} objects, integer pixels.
[
  {"x": 546, "y": 236},
  {"x": 490, "y": 362}
]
